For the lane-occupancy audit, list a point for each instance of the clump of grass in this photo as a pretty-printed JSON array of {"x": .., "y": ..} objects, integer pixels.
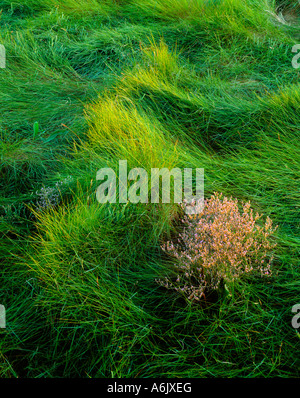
[
  {"x": 219, "y": 246},
  {"x": 23, "y": 164}
]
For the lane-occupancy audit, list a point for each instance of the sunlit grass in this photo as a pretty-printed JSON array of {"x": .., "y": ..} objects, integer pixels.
[{"x": 198, "y": 84}]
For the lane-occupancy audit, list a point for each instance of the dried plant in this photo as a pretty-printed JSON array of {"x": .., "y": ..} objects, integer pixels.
[
  {"x": 218, "y": 246},
  {"x": 49, "y": 197}
]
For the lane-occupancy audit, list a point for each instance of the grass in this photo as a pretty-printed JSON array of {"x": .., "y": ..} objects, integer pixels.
[{"x": 205, "y": 84}]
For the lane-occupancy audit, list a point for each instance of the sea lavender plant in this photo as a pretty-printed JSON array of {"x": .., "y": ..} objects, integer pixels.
[
  {"x": 218, "y": 246},
  {"x": 51, "y": 196}
]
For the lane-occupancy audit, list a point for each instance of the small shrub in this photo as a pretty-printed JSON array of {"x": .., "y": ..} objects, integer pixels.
[{"x": 219, "y": 246}]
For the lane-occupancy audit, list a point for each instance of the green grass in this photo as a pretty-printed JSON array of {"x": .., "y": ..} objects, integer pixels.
[{"x": 199, "y": 83}]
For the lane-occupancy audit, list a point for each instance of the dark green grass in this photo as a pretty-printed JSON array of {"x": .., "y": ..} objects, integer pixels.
[{"x": 204, "y": 84}]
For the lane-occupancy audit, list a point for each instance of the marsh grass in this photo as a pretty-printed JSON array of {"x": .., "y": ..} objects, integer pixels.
[{"x": 205, "y": 84}]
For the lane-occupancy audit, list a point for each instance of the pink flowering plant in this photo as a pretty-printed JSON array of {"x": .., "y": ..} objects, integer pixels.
[{"x": 218, "y": 247}]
